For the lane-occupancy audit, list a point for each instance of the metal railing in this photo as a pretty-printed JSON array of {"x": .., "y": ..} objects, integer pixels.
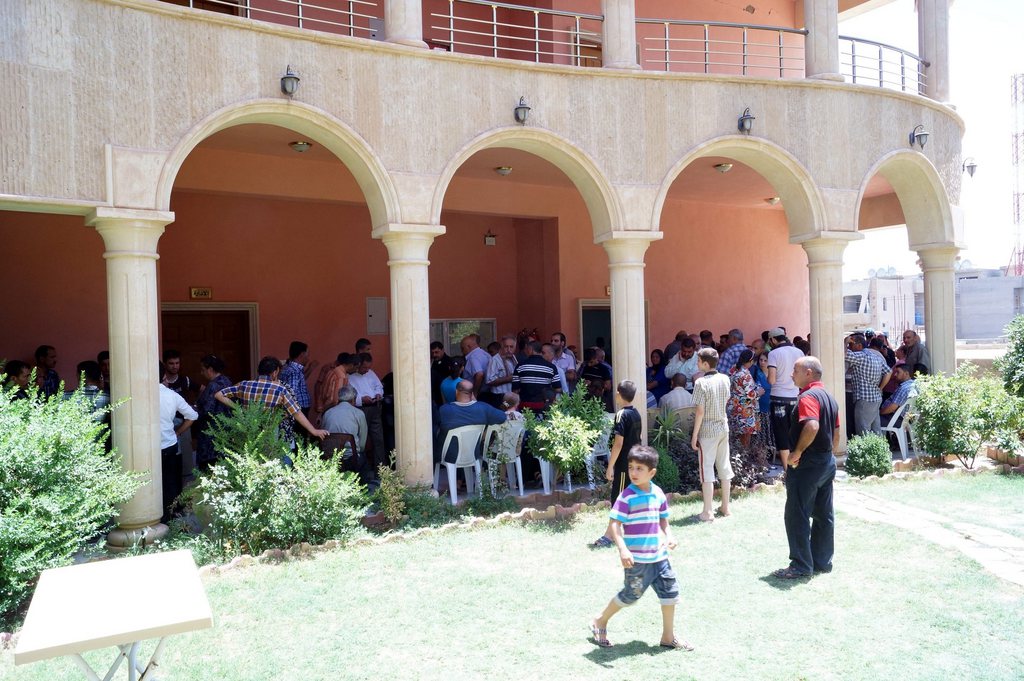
[
  {"x": 498, "y": 29},
  {"x": 866, "y": 62},
  {"x": 721, "y": 48},
  {"x": 346, "y": 17}
]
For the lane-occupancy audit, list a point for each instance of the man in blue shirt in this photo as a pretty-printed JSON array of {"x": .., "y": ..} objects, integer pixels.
[{"x": 464, "y": 411}]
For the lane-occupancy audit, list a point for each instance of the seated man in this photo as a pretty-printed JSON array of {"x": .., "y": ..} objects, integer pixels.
[
  {"x": 346, "y": 417},
  {"x": 907, "y": 389},
  {"x": 677, "y": 398},
  {"x": 464, "y": 411}
]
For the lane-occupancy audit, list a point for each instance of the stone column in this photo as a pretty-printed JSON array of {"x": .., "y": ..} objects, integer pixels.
[
  {"x": 618, "y": 34},
  {"x": 933, "y": 47},
  {"x": 408, "y": 246},
  {"x": 629, "y": 320},
  {"x": 403, "y": 22},
  {"x": 825, "y": 280},
  {"x": 130, "y": 238},
  {"x": 821, "y": 46},
  {"x": 938, "y": 263}
]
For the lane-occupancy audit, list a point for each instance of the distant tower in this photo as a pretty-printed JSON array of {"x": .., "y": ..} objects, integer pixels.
[{"x": 1016, "y": 266}]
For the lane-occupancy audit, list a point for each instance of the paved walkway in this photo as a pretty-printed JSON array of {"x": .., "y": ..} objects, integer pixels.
[{"x": 1000, "y": 553}]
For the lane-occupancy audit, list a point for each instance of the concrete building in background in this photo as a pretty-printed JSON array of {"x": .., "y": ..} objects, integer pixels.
[{"x": 228, "y": 175}]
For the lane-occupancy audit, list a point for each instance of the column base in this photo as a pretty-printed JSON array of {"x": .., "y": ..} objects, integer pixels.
[
  {"x": 120, "y": 539},
  {"x": 622, "y": 65},
  {"x": 409, "y": 42}
]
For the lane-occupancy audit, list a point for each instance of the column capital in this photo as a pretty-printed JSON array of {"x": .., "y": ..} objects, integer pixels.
[
  {"x": 408, "y": 243},
  {"x": 938, "y": 256},
  {"x": 627, "y": 246},
  {"x": 828, "y": 247},
  {"x": 128, "y": 231}
]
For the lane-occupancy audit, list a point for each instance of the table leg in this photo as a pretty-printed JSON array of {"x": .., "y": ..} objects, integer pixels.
[
  {"x": 86, "y": 669},
  {"x": 133, "y": 662},
  {"x": 154, "y": 662}
]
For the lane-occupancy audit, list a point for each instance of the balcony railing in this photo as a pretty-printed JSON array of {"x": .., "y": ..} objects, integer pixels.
[
  {"x": 345, "y": 17},
  {"x": 866, "y": 62},
  {"x": 498, "y": 29},
  {"x": 721, "y": 48},
  {"x": 510, "y": 31}
]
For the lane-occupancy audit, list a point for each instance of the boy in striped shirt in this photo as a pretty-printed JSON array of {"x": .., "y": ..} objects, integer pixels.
[{"x": 639, "y": 524}]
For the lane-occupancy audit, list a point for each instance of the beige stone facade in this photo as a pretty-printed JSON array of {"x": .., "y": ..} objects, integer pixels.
[{"x": 106, "y": 99}]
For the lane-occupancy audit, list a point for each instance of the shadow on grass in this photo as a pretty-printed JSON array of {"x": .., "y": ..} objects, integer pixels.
[
  {"x": 784, "y": 584},
  {"x": 604, "y": 656},
  {"x": 686, "y": 521},
  {"x": 551, "y": 526}
]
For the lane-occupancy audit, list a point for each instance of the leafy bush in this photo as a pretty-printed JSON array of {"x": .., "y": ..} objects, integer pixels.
[
  {"x": 750, "y": 464},
  {"x": 667, "y": 477},
  {"x": 957, "y": 414},
  {"x": 868, "y": 454},
  {"x": 257, "y": 504},
  {"x": 1011, "y": 365},
  {"x": 58, "y": 488},
  {"x": 562, "y": 439},
  {"x": 664, "y": 430},
  {"x": 254, "y": 427},
  {"x": 425, "y": 509},
  {"x": 390, "y": 494}
]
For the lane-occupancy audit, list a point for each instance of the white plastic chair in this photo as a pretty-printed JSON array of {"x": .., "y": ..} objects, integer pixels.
[
  {"x": 468, "y": 438},
  {"x": 505, "y": 440},
  {"x": 902, "y": 431}
]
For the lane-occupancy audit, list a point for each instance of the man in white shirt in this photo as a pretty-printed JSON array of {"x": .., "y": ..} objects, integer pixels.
[
  {"x": 677, "y": 398},
  {"x": 500, "y": 369},
  {"x": 547, "y": 351},
  {"x": 563, "y": 357},
  {"x": 369, "y": 395},
  {"x": 781, "y": 360},
  {"x": 171, "y": 403},
  {"x": 477, "y": 361},
  {"x": 685, "y": 362}
]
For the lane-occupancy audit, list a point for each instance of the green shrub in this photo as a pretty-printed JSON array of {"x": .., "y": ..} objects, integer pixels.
[
  {"x": 957, "y": 414},
  {"x": 564, "y": 440},
  {"x": 425, "y": 509},
  {"x": 390, "y": 496},
  {"x": 868, "y": 454},
  {"x": 1011, "y": 365},
  {"x": 253, "y": 427},
  {"x": 58, "y": 489},
  {"x": 667, "y": 477},
  {"x": 257, "y": 504}
]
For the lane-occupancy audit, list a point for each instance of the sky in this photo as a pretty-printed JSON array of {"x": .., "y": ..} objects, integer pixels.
[{"x": 985, "y": 50}]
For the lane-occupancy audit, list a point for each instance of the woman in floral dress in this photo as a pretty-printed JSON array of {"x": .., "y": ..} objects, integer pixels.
[{"x": 743, "y": 400}]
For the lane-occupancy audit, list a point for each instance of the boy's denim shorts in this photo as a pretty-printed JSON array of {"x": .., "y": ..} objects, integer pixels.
[{"x": 642, "y": 575}]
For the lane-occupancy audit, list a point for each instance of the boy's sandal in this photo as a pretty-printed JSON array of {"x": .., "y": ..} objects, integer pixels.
[
  {"x": 676, "y": 644},
  {"x": 789, "y": 573},
  {"x": 602, "y": 542},
  {"x": 600, "y": 636}
]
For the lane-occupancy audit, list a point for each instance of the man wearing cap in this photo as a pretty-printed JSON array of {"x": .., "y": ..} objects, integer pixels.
[
  {"x": 781, "y": 360},
  {"x": 907, "y": 390},
  {"x": 869, "y": 374}
]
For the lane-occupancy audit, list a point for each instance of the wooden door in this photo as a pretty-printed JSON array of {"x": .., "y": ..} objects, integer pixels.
[{"x": 198, "y": 333}]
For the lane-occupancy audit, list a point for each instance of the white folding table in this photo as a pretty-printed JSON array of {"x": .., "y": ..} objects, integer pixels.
[{"x": 120, "y": 603}]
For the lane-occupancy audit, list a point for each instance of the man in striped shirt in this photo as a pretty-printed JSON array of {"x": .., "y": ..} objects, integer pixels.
[
  {"x": 711, "y": 431},
  {"x": 639, "y": 523},
  {"x": 536, "y": 379}
]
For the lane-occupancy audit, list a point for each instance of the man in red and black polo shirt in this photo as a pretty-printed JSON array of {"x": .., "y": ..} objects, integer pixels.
[{"x": 811, "y": 469}]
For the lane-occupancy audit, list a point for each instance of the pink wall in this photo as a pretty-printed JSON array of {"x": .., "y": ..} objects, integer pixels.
[{"x": 55, "y": 289}]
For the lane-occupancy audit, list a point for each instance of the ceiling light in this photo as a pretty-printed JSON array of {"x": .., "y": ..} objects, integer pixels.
[
  {"x": 919, "y": 135},
  {"x": 772, "y": 200},
  {"x": 504, "y": 171},
  {"x": 723, "y": 167},
  {"x": 301, "y": 146}
]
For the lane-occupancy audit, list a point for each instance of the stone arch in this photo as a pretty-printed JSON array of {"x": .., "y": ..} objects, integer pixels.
[
  {"x": 922, "y": 196},
  {"x": 602, "y": 204},
  {"x": 805, "y": 210},
  {"x": 311, "y": 122}
]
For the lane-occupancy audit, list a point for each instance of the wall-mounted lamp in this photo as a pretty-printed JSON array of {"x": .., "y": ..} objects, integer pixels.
[
  {"x": 745, "y": 121},
  {"x": 522, "y": 111},
  {"x": 969, "y": 166},
  {"x": 919, "y": 136},
  {"x": 504, "y": 171},
  {"x": 723, "y": 167},
  {"x": 290, "y": 82},
  {"x": 772, "y": 200},
  {"x": 490, "y": 239},
  {"x": 301, "y": 146}
]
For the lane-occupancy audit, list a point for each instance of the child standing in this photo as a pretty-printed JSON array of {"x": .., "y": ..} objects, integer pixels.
[
  {"x": 643, "y": 544},
  {"x": 628, "y": 430},
  {"x": 711, "y": 431}
]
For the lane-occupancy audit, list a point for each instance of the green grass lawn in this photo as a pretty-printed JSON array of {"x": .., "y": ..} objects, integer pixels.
[
  {"x": 994, "y": 501},
  {"x": 514, "y": 602}
]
